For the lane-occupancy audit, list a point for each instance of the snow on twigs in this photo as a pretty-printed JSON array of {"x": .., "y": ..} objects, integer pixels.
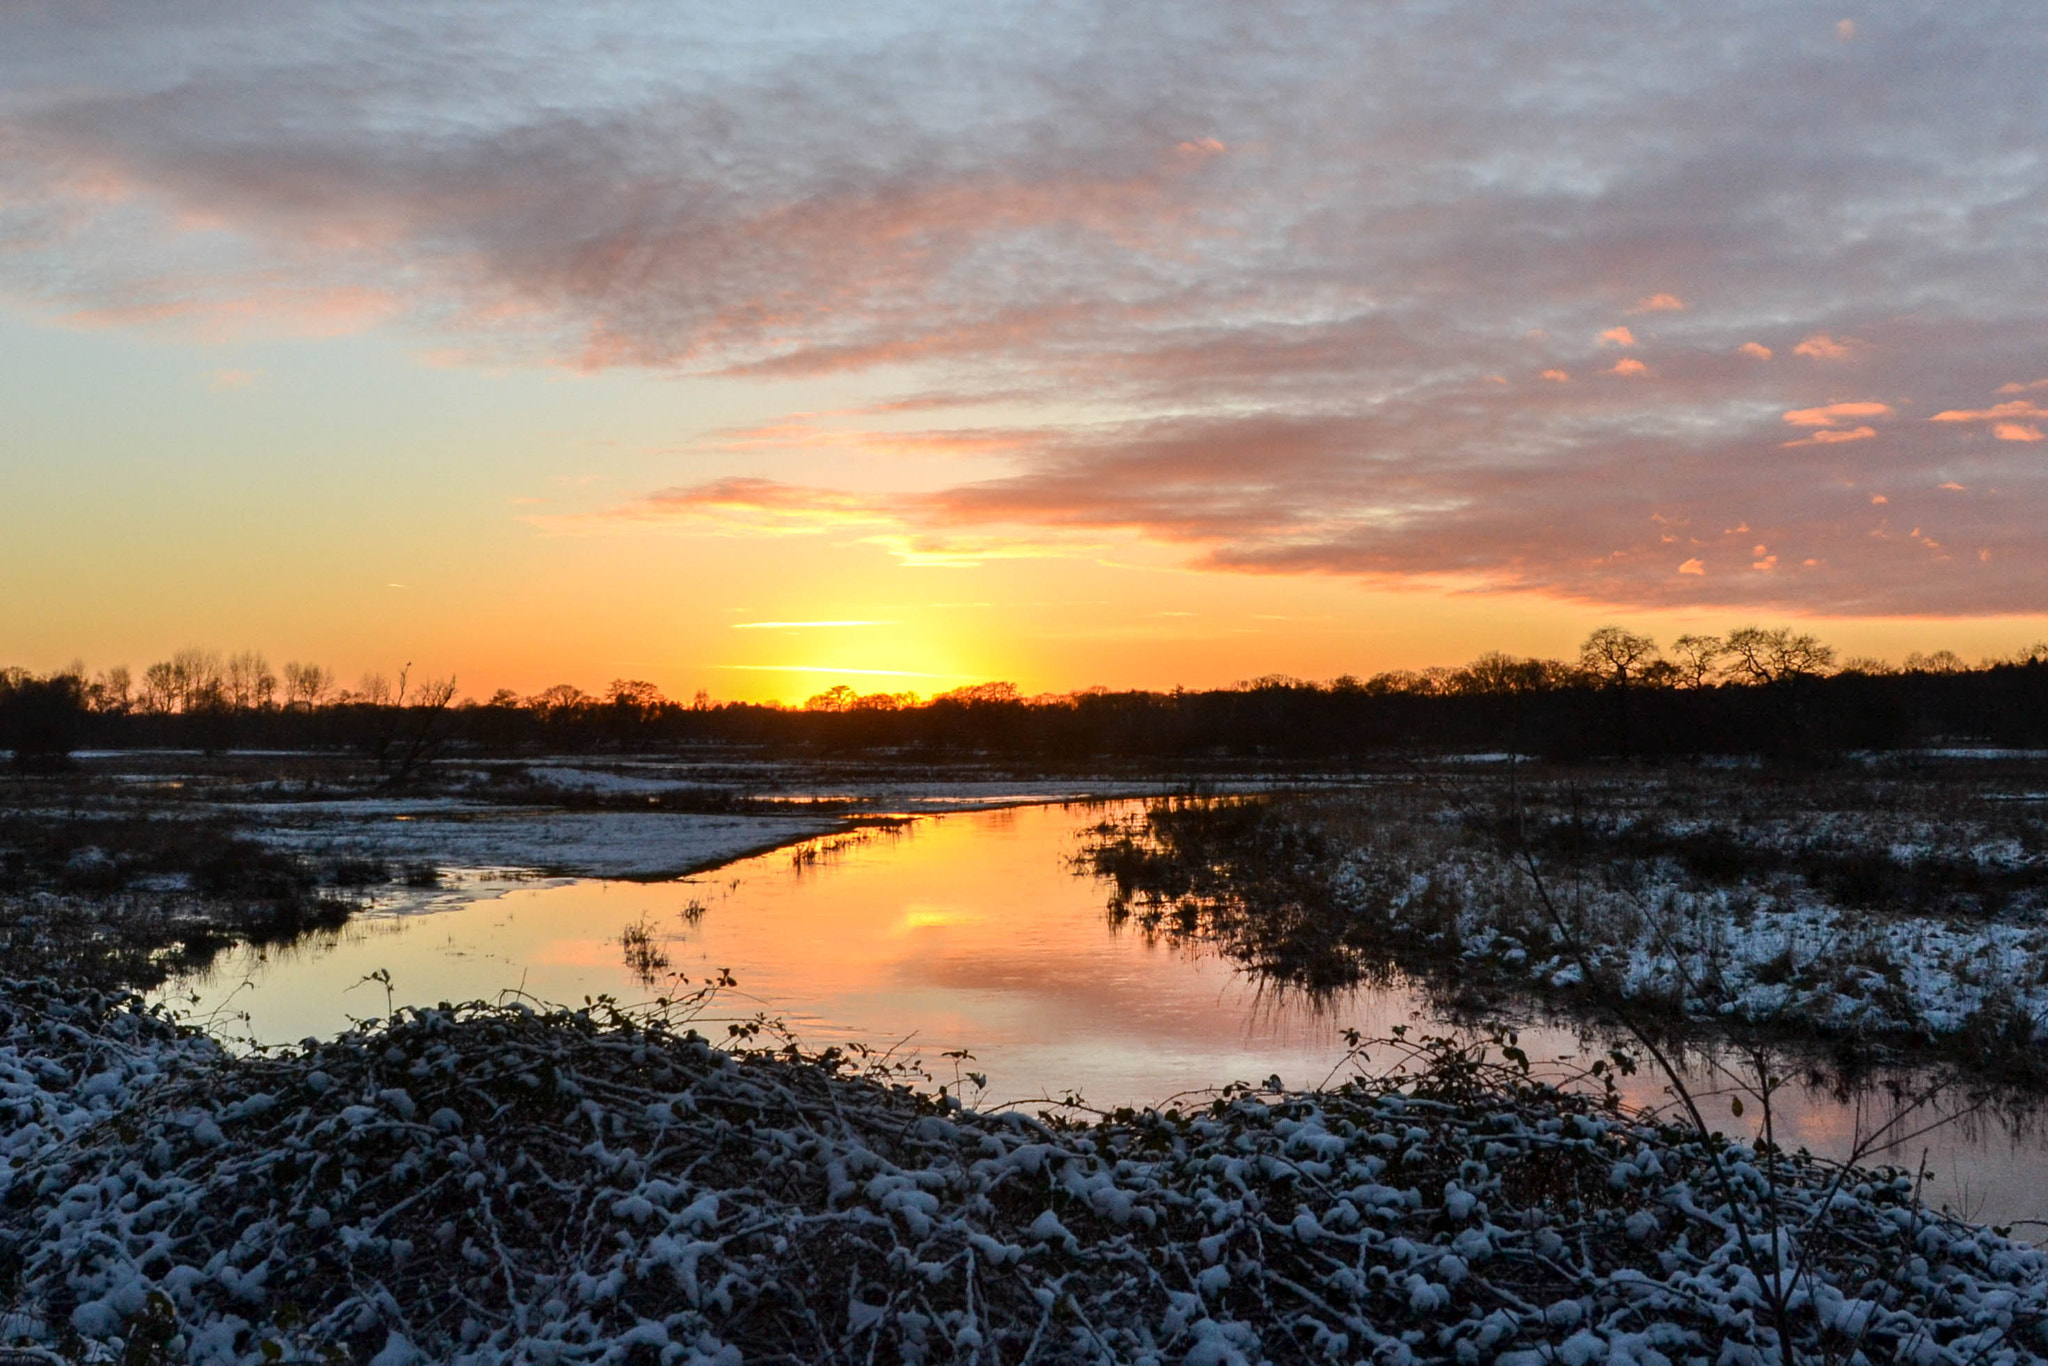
[
  {"x": 1875, "y": 916},
  {"x": 487, "y": 1184}
]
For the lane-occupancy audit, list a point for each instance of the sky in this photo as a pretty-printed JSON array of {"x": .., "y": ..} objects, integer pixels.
[{"x": 761, "y": 348}]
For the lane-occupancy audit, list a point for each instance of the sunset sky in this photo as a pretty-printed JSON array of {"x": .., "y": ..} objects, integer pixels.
[{"x": 756, "y": 348}]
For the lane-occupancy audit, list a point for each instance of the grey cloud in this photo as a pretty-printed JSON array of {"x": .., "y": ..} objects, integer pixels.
[{"x": 1294, "y": 326}]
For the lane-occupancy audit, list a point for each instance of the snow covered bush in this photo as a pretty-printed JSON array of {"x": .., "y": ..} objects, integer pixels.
[
  {"x": 487, "y": 1184},
  {"x": 1877, "y": 915}
]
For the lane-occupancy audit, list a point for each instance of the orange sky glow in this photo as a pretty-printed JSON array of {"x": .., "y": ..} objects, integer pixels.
[{"x": 931, "y": 345}]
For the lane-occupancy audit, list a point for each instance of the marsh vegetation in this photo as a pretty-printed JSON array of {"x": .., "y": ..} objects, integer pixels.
[
  {"x": 495, "y": 1182},
  {"x": 485, "y": 1184},
  {"x": 1883, "y": 912}
]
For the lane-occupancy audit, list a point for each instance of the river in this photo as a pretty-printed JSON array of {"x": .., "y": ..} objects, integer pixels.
[{"x": 969, "y": 932}]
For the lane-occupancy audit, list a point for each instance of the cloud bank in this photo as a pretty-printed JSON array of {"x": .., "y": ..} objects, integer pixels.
[{"x": 1637, "y": 305}]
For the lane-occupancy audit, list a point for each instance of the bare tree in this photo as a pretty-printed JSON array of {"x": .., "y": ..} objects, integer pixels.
[
  {"x": 1771, "y": 654},
  {"x": 981, "y": 692},
  {"x": 1390, "y": 682},
  {"x": 561, "y": 698},
  {"x": 1696, "y": 657},
  {"x": 1940, "y": 662},
  {"x": 1494, "y": 673},
  {"x": 198, "y": 679},
  {"x": 419, "y": 727},
  {"x": 111, "y": 691},
  {"x": 1437, "y": 680},
  {"x": 1803, "y": 655},
  {"x": 1616, "y": 653},
  {"x": 634, "y": 694},
  {"x": 838, "y": 697},
  {"x": 159, "y": 689},
  {"x": 306, "y": 684},
  {"x": 250, "y": 683},
  {"x": 883, "y": 701}
]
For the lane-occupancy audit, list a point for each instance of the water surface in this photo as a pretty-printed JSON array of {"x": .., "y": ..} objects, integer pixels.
[{"x": 962, "y": 932}]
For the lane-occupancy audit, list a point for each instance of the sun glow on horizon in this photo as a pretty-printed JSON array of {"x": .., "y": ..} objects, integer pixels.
[
  {"x": 976, "y": 383},
  {"x": 801, "y": 625}
]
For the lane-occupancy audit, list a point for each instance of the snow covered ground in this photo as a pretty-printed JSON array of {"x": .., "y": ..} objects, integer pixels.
[
  {"x": 490, "y": 1185},
  {"x": 1894, "y": 912},
  {"x": 1764, "y": 957},
  {"x": 475, "y": 842},
  {"x": 865, "y": 792},
  {"x": 610, "y": 844}
]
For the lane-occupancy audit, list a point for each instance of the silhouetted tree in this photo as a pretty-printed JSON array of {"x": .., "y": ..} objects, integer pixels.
[
  {"x": 634, "y": 695},
  {"x": 990, "y": 692},
  {"x": 110, "y": 691},
  {"x": 838, "y": 697},
  {"x": 249, "y": 681},
  {"x": 1868, "y": 666},
  {"x": 421, "y": 728},
  {"x": 159, "y": 689},
  {"x": 41, "y": 718},
  {"x": 1696, "y": 657},
  {"x": 198, "y": 680},
  {"x": 306, "y": 685},
  {"x": 1939, "y": 662},
  {"x": 560, "y": 701},
  {"x": 1776, "y": 654},
  {"x": 1615, "y": 655}
]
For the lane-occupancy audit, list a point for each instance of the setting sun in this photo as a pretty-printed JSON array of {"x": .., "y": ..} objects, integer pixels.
[
  {"x": 1018, "y": 684},
  {"x": 559, "y": 373}
]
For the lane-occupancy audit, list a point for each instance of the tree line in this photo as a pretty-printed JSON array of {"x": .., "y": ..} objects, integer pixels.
[{"x": 1754, "y": 689}]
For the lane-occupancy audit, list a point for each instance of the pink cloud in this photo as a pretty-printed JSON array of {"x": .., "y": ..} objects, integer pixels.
[
  {"x": 2017, "y": 408},
  {"x": 1833, "y": 436},
  {"x": 2015, "y": 431},
  {"x": 1833, "y": 414},
  {"x": 1269, "y": 353},
  {"x": 2017, "y": 388},
  {"x": 231, "y": 309},
  {"x": 1366, "y": 496},
  {"x": 763, "y": 506},
  {"x": 1820, "y": 346}
]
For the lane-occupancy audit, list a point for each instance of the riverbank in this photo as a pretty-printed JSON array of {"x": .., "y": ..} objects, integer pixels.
[
  {"x": 1885, "y": 916},
  {"x": 495, "y": 1184},
  {"x": 131, "y": 868}
]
